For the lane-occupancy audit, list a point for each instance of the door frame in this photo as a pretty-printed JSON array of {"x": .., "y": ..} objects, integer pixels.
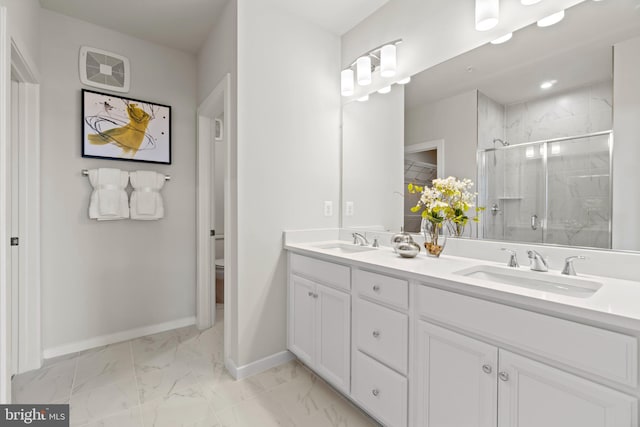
[
  {"x": 205, "y": 289},
  {"x": 436, "y": 144}
]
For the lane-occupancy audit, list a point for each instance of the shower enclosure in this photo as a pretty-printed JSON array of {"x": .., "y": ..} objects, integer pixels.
[{"x": 556, "y": 191}]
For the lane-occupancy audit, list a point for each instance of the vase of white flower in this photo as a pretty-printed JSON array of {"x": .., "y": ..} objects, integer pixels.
[{"x": 435, "y": 237}]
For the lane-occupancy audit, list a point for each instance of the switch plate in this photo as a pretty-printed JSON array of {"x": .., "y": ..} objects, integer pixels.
[
  {"x": 328, "y": 208},
  {"x": 348, "y": 210}
]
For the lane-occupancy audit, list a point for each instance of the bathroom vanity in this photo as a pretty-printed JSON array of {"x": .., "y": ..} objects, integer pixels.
[{"x": 461, "y": 342}]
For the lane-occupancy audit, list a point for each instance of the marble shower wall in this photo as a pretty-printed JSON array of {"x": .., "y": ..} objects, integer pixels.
[
  {"x": 576, "y": 112},
  {"x": 491, "y": 121}
]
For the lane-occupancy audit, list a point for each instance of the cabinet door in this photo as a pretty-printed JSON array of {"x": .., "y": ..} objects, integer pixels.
[
  {"x": 532, "y": 394},
  {"x": 333, "y": 341},
  {"x": 456, "y": 380},
  {"x": 302, "y": 309}
]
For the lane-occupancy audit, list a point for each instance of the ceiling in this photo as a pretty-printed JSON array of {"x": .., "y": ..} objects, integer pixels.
[
  {"x": 185, "y": 24},
  {"x": 575, "y": 52}
]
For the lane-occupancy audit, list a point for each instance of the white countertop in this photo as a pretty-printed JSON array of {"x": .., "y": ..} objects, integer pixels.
[{"x": 616, "y": 304}]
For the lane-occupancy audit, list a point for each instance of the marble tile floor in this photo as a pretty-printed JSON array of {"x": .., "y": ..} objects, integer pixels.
[{"x": 178, "y": 379}]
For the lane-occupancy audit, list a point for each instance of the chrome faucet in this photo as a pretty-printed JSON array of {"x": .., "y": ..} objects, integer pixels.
[
  {"x": 568, "y": 265},
  {"x": 538, "y": 263},
  {"x": 359, "y": 239},
  {"x": 513, "y": 259}
]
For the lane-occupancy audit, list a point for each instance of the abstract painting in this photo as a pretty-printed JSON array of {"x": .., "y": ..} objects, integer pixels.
[{"x": 120, "y": 128}]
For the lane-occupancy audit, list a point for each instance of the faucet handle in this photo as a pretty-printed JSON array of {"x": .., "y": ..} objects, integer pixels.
[
  {"x": 568, "y": 269},
  {"x": 513, "y": 259}
]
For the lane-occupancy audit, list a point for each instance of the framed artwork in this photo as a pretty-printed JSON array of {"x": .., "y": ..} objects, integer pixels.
[{"x": 119, "y": 128}]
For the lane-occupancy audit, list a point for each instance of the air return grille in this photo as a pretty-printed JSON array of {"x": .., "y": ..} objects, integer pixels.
[{"x": 104, "y": 70}]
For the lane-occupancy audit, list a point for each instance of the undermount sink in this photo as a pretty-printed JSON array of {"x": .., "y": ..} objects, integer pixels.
[
  {"x": 345, "y": 248},
  {"x": 544, "y": 282}
]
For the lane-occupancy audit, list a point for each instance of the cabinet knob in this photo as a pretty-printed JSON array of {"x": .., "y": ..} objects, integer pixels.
[
  {"x": 376, "y": 288},
  {"x": 376, "y": 334},
  {"x": 315, "y": 295},
  {"x": 503, "y": 376},
  {"x": 310, "y": 293},
  {"x": 487, "y": 369},
  {"x": 375, "y": 392}
]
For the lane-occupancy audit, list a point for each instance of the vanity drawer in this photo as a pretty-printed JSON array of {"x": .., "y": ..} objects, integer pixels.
[
  {"x": 380, "y": 391},
  {"x": 593, "y": 350},
  {"x": 382, "y": 288},
  {"x": 383, "y": 334},
  {"x": 321, "y": 271}
]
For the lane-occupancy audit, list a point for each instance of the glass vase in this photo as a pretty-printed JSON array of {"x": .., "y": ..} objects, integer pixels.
[{"x": 435, "y": 238}]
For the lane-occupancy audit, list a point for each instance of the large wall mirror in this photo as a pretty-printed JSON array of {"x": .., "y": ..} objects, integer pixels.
[{"x": 547, "y": 125}]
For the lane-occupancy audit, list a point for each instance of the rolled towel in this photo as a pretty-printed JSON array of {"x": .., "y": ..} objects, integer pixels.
[
  {"x": 146, "y": 200},
  {"x": 108, "y": 200}
]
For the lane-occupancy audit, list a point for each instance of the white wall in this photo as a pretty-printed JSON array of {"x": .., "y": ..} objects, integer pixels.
[
  {"x": 626, "y": 129},
  {"x": 373, "y": 159},
  {"x": 435, "y": 31},
  {"x": 24, "y": 28},
  {"x": 288, "y": 158},
  {"x": 454, "y": 119},
  {"x": 106, "y": 277}
]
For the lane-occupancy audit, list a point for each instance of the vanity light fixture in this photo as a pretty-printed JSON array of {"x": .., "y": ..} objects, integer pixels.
[
  {"x": 382, "y": 58},
  {"x": 363, "y": 98},
  {"x": 385, "y": 89},
  {"x": 363, "y": 67},
  {"x": 529, "y": 2},
  {"x": 548, "y": 84},
  {"x": 404, "y": 81},
  {"x": 487, "y": 14},
  {"x": 346, "y": 82},
  {"x": 551, "y": 19},
  {"x": 503, "y": 39}
]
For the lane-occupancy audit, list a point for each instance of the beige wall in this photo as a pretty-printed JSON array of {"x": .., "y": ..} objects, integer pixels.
[{"x": 106, "y": 277}]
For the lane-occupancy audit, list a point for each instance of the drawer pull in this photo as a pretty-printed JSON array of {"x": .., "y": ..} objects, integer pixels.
[
  {"x": 375, "y": 392},
  {"x": 487, "y": 369},
  {"x": 376, "y": 334},
  {"x": 376, "y": 288},
  {"x": 503, "y": 376},
  {"x": 310, "y": 293}
]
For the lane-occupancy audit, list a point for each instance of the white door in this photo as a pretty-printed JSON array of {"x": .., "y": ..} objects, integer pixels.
[
  {"x": 457, "y": 383},
  {"x": 212, "y": 222},
  {"x": 14, "y": 225},
  {"x": 302, "y": 319},
  {"x": 333, "y": 336},
  {"x": 532, "y": 394}
]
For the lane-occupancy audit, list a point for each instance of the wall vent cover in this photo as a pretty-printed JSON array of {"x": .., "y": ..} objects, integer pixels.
[{"x": 104, "y": 70}]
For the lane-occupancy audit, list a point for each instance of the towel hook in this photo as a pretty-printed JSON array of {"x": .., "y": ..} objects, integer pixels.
[{"x": 85, "y": 172}]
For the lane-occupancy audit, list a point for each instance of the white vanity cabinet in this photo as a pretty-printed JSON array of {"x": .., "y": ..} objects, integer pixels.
[
  {"x": 319, "y": 325},
  {"x": 414, "y": 353},
  {"x": 461, "y": 381}
]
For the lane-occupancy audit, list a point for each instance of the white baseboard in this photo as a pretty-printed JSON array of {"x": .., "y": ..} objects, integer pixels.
[
  {"x": 258, "y": 366},
  {"x": 117, "y": 337}
]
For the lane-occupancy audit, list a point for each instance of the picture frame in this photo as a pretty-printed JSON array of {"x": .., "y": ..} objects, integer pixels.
[{"x": 115, "y": 127}]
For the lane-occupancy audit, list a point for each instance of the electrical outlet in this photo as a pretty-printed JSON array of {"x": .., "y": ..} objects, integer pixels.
[
  {"x": 348, "y": 211},
  {"x": 328, "y": 208}
]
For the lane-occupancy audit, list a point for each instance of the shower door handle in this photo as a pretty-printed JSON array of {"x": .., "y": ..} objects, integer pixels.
[
  {"x": 534, "y": 222},
  {"x": 495, "y": 209}
]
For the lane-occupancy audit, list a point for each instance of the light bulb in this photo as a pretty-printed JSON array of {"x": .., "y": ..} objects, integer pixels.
[
  {"x": 404, "y": 81},
  {"x": 388, "y": 61},
  {"x": 346, "y": 82},
  {"x": 363, "y": 65},
  {"x": 529, "y": 2},
  {"x": 363, "y": 98},
  {"x": 385, "y": 89},
  {"x": 487, "y": 14}
]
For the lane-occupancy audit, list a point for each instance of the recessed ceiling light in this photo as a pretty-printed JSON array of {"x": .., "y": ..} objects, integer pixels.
[
  {"x": 404, "y": 81},
  {"x": 529, "y": 2},
  {"x": 548, "y": 84},
  {"x": 385, "y": 89},
  {"x": 502, "y": 39},
  {"x": 363, "y": 98},
  {"x": 551, "y": 19}
]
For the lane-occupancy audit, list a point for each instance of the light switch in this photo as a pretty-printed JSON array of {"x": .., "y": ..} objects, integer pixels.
[{"x": 328, "y": 208}]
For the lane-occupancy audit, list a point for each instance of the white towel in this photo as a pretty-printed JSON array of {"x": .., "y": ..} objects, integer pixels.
[
  {"x": 108, "y": 200},
  {"x": 146, "y": 200}
]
